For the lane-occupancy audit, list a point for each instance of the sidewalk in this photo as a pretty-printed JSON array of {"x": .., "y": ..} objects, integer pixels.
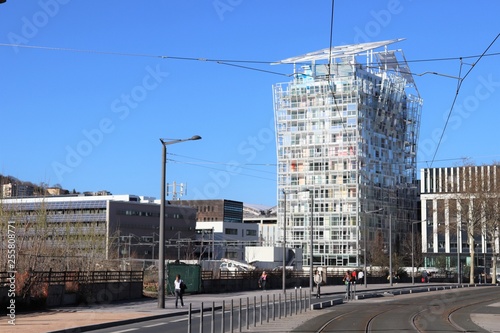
[{"x": 105, "y": 315}]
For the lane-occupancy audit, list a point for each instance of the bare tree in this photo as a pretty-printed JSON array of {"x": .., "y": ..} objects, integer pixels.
[
  {"x": 416, "y": 250},
  {"x": 377, "y": 251},
  {"x": 491, "y": 204},
  {"x": 471, "y": 204}
]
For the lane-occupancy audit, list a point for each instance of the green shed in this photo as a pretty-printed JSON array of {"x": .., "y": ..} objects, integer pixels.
[{"x": 190, "y": 274}]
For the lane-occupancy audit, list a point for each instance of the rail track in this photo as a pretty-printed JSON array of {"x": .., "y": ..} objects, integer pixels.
[{"x": 444, "y": 311}]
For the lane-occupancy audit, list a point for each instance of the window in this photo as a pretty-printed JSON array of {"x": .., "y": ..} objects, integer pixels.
[
  {"x": 251, "y": 232},
  {"x": 229, "y": 231}
]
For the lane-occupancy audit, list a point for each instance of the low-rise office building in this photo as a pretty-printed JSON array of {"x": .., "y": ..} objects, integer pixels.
[
  {"x": 64, "y": 231},
  {"x": 460, "y": 218}
]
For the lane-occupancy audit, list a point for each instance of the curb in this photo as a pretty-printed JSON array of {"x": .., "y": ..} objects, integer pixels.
[
  {"x": 327, "y": 304},
  {"x": 130, "y": 321}
]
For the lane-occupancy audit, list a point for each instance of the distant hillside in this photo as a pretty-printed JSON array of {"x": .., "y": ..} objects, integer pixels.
[{"x": 39, "y": 189}]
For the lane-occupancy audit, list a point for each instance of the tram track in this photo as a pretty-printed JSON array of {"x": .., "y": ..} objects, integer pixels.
[
  {"x": 423, "y": 314},
  {"x": 449, "y": 314}
]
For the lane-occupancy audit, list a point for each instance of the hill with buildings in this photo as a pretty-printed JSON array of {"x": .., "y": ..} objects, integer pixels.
[{"x": 14, "y": 187}]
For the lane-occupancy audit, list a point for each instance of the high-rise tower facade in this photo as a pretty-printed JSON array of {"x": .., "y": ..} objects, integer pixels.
[{"x": 347, "y": 129}]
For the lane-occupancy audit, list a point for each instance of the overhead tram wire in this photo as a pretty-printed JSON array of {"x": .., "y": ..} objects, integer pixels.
[
  {"x": 459, "y": 86},
  {"x": 220, "y": 61},
  {"x": 204, "y": 164},
  {"x": 218, "y": 169},
  {"x": 242, "y": 165},
  {"x": 351, "y": 144},
  {"x": 253, "y": 69}
]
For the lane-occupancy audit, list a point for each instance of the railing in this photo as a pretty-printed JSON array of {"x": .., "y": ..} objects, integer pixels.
[
  {"x": 53, "y": 277},
  {"x": 237, "y": 314}
]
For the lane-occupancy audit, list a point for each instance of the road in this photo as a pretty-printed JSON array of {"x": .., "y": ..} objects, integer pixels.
[
  {"x": 448, "y": 311},
  {"x": 252, "y": 315}
]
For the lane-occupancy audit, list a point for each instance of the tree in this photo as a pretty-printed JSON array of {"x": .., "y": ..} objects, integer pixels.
[
  {"x": 491, "y": 205},
  {"x": 470, "y": 201},
  {"x": 378, "y": 251},
  {"x": 407, "y": 250}
]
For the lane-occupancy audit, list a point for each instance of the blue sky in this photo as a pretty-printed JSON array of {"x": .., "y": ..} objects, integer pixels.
[{"x": 85, "y": 102}]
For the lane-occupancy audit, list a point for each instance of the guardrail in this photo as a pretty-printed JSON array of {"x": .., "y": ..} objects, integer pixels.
[{"x": 249, "y": 311}]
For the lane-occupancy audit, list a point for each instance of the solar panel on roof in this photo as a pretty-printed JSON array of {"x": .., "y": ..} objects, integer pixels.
[{"x": 338, "y": 51}]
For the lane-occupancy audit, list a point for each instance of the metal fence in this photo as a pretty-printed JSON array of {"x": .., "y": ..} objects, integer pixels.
[
  {"x": 53, "y": 277},
  {"x": 234, "y": 316}
]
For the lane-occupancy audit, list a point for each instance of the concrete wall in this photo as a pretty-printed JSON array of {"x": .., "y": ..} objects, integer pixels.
[
  {"x": 92, "y": 293},
  {"x": 110, "y": 291}
]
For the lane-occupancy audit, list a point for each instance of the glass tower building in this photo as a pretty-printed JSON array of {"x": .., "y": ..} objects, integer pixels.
[{"x": 347, "y": 127}]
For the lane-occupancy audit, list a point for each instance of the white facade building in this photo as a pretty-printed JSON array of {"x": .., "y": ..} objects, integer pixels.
[
  {"x": 347, "y": 128},
  {"x": 453, "y": 201},
  {"x": 219, "y": 239}
]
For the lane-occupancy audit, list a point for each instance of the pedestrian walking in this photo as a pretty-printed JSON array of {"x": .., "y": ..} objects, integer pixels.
[
  {"x": 360, "y": 277},
  {"x": 353, "y": 277},
  {"x": 424, "y": 277},
  {"x": 179, "y": 287},
  {"x": 263, "y": 280},
  {"x": 318, "y": 279},
  {"x": 347, "y": 282}
]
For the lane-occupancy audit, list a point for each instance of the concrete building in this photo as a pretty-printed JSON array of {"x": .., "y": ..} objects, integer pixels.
[
  {"x": 104, "y": 227},
  {"x": 12, "y": 190},
  {"x": 347, "y": 128},
  {"x": 215, "y": 210},
  {"x": 266, "y": 218},
  {"x": 455, "y": 205},
  {"x": 221, "y": 232},
  {"x": 218, "y": 239}
]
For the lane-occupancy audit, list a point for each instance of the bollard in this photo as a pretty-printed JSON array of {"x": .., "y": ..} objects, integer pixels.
[
  {"x": 223, "y": 319},
  {"x": 295, "y": 303},
  {"x": 231, "y": 329},
  {"x": 248, "y": 314},
  {"x": 189, "y": 318},
  {"x": 300, "y": 295},
  {"x": 267, "y": 309},
  {"x": 291, "y": 298},
  {"x": 285, "y": 308},
  {"x": 201, "y": 318},
  {"x": 254, "y": 311},
  {"x": 260, "y": 310},
  {"x": 274, "y": 307},
  {"x": 305, "y": 301},
  {"x": 213, "y": 318},
  {"x": 239, "y": 318},
  {"x": 279, "y": 306}
]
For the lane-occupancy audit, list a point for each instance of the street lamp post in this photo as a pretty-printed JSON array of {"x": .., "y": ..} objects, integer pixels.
[
  {"x": 161, "y": 245},
  {"x": 459, "y": 243},
  {"x": 364, "y": 245},
  {"x": 390, "y": 249},
  {"x": 312, "y": 243},
  {"x": 284, "y": 244}
]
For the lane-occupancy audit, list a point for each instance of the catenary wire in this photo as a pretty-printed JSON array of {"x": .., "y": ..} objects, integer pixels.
[
  {"x": 221, "y": 61},
  {"x": 457, "y": 92}
]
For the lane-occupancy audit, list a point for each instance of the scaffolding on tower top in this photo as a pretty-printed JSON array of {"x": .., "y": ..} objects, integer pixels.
[{"x": 338, "y": 52}]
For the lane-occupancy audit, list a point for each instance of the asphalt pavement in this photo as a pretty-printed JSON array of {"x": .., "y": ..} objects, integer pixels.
[{"x": 89, "y": 317}]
